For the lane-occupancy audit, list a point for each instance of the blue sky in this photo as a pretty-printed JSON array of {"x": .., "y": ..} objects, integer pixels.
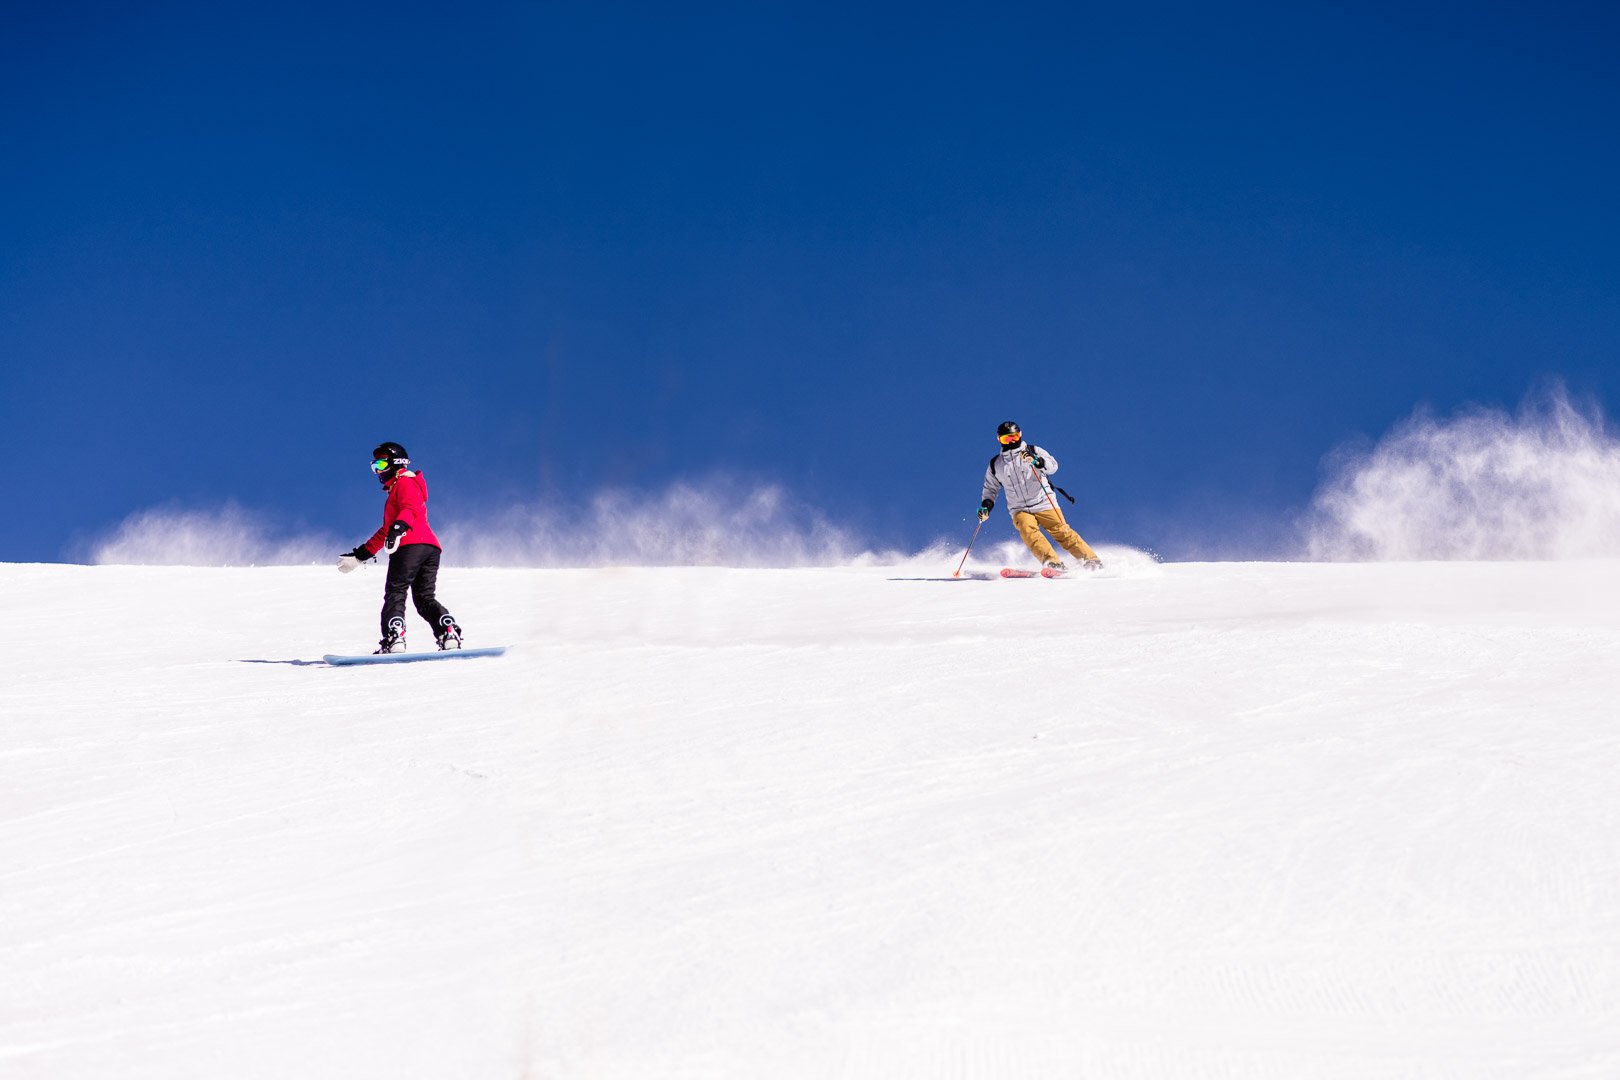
[{"x": 556, "y": 249}]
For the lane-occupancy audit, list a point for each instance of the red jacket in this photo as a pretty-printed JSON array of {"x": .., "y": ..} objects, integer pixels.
[{"x": 407, "y": 502}]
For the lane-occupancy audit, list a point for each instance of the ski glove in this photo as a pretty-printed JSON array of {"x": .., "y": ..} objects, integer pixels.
[
  {"x": 351, "y": 559},
  {"x": 396, "y": 533},
  {"x": 984, "y": 509},
  {"x": 1034, "y": 458}
]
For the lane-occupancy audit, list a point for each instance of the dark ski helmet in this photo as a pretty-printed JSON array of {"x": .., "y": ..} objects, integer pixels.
[
  {"x": 386, "y": 461},
  {"x": 1008, "y": 434}
]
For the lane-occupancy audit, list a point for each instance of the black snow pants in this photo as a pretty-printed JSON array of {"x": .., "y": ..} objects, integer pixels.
[{"x": 414, "y": 567}]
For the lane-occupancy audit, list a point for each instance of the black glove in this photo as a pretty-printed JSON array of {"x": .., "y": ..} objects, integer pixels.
[
  {"x": 1040, "y": 462},
  {"x": 396, "y": 533},
  {"x": 359, "y": 553},
  {"x": 984, "y": 509}
]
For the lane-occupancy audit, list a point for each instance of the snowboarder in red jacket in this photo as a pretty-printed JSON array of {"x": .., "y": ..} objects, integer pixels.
[{"x": 413, "y": 552}]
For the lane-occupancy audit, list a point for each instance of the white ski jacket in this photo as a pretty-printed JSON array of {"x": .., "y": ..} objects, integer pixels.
[{"x": 1026, "y": 486}]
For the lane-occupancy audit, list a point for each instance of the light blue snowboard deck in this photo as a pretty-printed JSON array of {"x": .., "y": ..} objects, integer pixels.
[{"x": 412, "y": 657}]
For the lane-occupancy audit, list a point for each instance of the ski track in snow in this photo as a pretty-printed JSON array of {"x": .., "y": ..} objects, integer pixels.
[{"x": 1198, "y": 820}]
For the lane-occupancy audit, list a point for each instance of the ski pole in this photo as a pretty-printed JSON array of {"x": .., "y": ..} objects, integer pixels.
[
  {"x": 972, "y": 538},
  {"x": 1053, "y": 503},
  {"x": 1040, "y": 478}
]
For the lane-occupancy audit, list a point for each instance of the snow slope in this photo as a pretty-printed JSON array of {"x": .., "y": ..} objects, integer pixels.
[{"x": 1203, "y": 820}]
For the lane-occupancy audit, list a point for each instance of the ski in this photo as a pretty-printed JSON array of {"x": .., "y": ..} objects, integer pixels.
[
  {"x": 1053, "y": 572},
  {"x": 1011, "y": 573},
  {"x": 413, "y": 657}
]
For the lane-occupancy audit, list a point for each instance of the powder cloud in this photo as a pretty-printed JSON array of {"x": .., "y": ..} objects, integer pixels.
[{"x": 1485, "y": 484}]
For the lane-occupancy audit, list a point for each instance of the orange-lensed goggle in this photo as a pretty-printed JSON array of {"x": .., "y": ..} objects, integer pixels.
[{"x": 1010, "y": 438}]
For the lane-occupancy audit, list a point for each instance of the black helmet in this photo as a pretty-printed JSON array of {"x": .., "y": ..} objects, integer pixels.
[
  {"x": 387, "y": 459},
  {"x": 1008, "y": 434}
]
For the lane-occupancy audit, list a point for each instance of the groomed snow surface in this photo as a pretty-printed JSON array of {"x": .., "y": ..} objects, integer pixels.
[{"x": 1196, "y": 820}]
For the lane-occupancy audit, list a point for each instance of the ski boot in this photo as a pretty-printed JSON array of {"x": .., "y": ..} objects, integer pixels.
[
  {"x": 1053, "y": 568},
  {"x": 393, "y": 640},
  {"x": 1092, "y": 564},
  {"x": 448, "y": 635}
]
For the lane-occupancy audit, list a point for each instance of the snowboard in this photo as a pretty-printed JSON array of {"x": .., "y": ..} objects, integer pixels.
[{"x": 413, "y": 657}]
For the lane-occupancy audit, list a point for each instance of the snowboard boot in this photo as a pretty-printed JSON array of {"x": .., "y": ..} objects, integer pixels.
[
  {"x": 393, "y": 638},
  {"x": 448, "y": 635}
]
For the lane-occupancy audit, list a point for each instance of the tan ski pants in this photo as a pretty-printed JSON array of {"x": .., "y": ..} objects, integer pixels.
[{"x": 1029, "y": 526}]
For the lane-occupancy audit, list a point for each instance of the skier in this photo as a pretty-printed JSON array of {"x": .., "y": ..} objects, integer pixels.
[
  {"x": 413, "y": 553},
  {"x": 1022, "y": 468}
]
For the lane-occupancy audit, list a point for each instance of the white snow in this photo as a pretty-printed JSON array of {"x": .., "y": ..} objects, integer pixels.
[
  {"x": 1197, "y": 820},
  {"x": 1541, "y": 483}
]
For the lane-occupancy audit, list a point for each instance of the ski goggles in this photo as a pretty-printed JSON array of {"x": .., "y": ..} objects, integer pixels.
[
  {"x": 381, "y": 465},
  {"x": 1011, "y": 438}
]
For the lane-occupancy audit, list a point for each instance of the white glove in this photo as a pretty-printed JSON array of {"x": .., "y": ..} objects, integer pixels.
[{"x": 346, "y": 563}]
